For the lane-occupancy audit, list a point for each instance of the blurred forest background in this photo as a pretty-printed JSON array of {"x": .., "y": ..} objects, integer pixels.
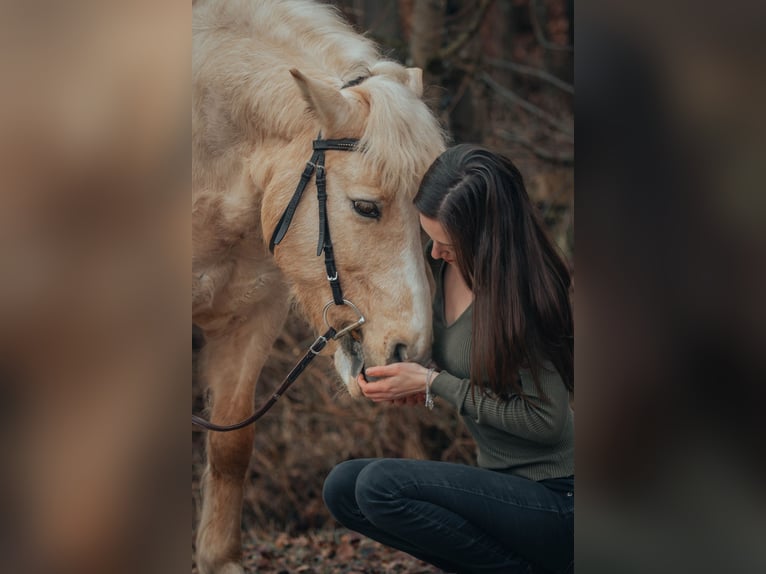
[{"x": 498, "y": 72}]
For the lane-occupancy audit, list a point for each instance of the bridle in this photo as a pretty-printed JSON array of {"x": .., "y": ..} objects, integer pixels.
[{"x": 324, "y": 245}]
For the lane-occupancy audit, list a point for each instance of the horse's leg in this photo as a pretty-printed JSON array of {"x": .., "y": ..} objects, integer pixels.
[{"x": 231, "y": 367}]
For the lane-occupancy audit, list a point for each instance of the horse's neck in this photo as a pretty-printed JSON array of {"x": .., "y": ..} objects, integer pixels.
[
  {"x": 231, "y": 188},
  {"x": 232, "y": 266}
]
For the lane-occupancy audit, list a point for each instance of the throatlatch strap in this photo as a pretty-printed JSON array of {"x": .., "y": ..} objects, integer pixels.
[{"x": 284, "y": 222}]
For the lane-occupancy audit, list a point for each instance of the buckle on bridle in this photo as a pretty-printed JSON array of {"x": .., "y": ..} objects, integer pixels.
[
  {"x": 321, "y": 341},
  {"x": 316, "y": 166}
]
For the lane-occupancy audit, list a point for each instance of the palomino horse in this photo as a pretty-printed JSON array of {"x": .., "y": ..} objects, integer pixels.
[{"x": 268, "y": 77}]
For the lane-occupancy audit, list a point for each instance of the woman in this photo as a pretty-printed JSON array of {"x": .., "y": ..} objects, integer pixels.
[{"x": 503, "y": 350}]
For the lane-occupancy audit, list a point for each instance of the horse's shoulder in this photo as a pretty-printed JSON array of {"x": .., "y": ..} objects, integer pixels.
[{"x": 235, "y": 286}]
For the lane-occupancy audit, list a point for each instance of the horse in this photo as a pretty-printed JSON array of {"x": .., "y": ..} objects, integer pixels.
[{"x": 270, "y": 79}]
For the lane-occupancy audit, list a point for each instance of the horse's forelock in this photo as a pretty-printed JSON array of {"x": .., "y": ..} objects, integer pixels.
[{"x": 401, "y": 137}]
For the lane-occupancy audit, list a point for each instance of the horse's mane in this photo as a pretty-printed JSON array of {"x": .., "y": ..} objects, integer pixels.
[
  {"x": 244, "y": 91},
  {"x": 402, "y": 137}
]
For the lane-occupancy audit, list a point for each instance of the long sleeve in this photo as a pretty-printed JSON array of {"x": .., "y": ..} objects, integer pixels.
[{"x": 529, "y": 418}]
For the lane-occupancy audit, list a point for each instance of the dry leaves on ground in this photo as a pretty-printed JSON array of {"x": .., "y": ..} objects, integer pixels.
[{"x": 328, "y": 551}]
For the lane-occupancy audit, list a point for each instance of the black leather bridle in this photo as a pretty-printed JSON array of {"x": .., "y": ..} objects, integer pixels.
[
  {"x": 324, "y": 245},
  {"x": 316, "y": 163}
]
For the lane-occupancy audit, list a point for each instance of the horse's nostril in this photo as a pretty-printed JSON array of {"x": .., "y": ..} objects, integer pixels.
[{"x": 400, "y": 353}]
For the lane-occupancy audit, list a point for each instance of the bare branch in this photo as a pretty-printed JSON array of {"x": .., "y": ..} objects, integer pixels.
[
  {"x": 546, "y": 155},
  {"x": 536, "y": 72},
  {"x": 455, "y": 100},
  {"x": 543, "y": 41},
  {"x": 522, "y": 103},
  {"x": 467, "y": 34}
]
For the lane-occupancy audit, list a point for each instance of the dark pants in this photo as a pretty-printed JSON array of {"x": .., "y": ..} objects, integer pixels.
[{"x": 457, "y": 517}]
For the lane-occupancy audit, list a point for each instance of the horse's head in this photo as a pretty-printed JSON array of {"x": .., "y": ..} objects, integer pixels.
[{"x": 372, "y": 221}]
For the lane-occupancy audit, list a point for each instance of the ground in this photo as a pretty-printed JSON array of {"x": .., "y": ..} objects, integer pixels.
[{"x": 327, "y": 551}]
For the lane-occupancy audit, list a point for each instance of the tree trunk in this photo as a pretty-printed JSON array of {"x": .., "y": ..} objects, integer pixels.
[
  {"x": 380, "y": 20},
  {"x": 466, "y": 108},
  {"x": 425, "y": 44}
]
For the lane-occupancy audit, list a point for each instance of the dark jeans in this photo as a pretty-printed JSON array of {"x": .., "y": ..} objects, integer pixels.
[{"x": 459, "y": 518}]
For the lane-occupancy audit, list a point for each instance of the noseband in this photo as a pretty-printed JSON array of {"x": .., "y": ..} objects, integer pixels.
[{"x": 324, "y": 245}]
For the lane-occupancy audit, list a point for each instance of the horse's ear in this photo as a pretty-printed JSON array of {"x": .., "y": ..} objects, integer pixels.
[
  {"x": 325, "y": 100},
  {"x": 415, "y": 81}
]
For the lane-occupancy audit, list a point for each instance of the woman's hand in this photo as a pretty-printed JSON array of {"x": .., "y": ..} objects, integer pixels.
[{"x": 401, "y": 383}]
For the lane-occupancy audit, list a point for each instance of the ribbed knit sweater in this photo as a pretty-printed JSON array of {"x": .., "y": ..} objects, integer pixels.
[{"x": 530, "y": 438}]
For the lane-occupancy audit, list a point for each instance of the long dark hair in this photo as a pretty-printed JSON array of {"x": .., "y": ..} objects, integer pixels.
[{"x": 522, "y": 314}]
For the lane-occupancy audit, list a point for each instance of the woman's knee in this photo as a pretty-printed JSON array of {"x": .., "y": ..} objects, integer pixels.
[
  {"x": 378, "y": 489},
  {"x": 340, "y": 485}
]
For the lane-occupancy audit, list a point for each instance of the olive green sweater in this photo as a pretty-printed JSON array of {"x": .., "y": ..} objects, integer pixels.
[{"x": 525, "y": 437}]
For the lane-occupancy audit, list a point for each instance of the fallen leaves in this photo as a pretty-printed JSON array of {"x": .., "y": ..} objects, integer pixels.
[{"x": 327, "y": 551}]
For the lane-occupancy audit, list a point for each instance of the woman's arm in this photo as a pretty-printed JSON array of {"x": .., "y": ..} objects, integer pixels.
[{"x": 529, "y": 417}]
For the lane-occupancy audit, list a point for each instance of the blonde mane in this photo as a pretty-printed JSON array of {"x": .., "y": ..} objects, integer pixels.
[
  {"x": 401, "y": 139},
  {"x": 258, "y": 43}
]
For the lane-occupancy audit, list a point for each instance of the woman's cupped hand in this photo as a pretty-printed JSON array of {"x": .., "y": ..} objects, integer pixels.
[{"x": 397, "y": 383}]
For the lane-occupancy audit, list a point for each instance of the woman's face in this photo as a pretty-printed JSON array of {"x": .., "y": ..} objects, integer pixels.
[{"x": 442, "y": 247}]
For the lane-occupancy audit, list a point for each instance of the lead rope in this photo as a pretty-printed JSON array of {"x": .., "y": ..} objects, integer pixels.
[{"x": 291, "y": 377}]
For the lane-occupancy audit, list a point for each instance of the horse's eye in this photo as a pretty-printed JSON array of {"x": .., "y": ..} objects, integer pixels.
[{"x": 367, "y": 209}]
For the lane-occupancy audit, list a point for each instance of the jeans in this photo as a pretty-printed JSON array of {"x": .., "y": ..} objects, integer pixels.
[{"x": 459, "y": 518}]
